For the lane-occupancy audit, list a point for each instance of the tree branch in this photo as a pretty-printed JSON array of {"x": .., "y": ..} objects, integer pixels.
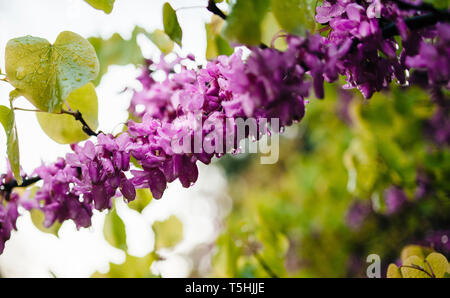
[
  {"x": 418, "y": 22},
  {"x": 79, "y": 117},
  {"x": 422, "y": 6},
  {"x": 212, "y": 7},
  {"x": 8, "y": 187}
]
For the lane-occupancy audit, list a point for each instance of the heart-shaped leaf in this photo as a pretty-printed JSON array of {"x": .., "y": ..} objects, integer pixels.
[
  {"x": 46, "y": 74},
  {"x": 438, "y": 263}
]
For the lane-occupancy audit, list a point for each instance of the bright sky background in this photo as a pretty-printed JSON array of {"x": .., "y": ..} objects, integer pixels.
[{"x": 31, "y": 253}]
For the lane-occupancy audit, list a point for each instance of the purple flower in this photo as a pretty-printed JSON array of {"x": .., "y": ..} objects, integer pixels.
[
  {"x": 8, "y": 218},
  {"x": 357, "y": 214},
  {"x": 395, "y": 198}
]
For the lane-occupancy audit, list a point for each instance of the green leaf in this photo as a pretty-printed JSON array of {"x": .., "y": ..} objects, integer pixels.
[
  {"x": 171, "y": 25},
  {"x": 143, "y": 198},
  {"x": 411, "y": 250},
  {"x": 117, "y": 51},
  {"x": 393, "y": 271},
  {"x": 409, "y": 272},
  {"x": 168, "y": 233},
  {"x": 243, "y": 24},
  {"x": 295, "y": 16},
  {"x": 64, "y": 129},
  {"x": 438, "y": 263},
  {"x": 7, "y": 119},
  {"x": 269, "y": 29},
  {"x": 38, "y": 217},
  {"x": 216, "y": 44},
  {"x": 161, "y": 40},
  {"x": 114, "y": 230},
  {"x": 105, "y": 5},
  {"x": 46, "y": 74},
  {"x": 440, "y": 4}
]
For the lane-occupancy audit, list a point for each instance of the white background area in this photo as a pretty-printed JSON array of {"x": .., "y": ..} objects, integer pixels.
[{"x": 31, "y": 253}]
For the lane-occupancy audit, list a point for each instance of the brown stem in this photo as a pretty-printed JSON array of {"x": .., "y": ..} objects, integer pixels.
[
  {"x": 212, "y": 7},
  {"x": 8, "y": 187},
  {"x": 79, "y": 117}
]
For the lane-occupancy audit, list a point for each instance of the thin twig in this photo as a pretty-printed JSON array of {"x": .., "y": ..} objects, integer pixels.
[
  {"x": 417, "y": 268},
  {"x": 264, "y": 265},
  {"x": 212, "y": 7},
  {"x": 79, "y": 117},
  {"x": 8, "y": 187},
  {"x": 417, "y": 22}
]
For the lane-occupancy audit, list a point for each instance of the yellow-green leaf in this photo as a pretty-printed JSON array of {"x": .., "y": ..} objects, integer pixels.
[
  {"x": 38, "y": 217},
  {"x": 171, "y": 25},
  {"x": 105, "y": 5},
  {"x": 411, "y": 250},
  {"x": 243, "y": 24},
  {"x": 143, "y": 198},
  {"x": 168, "y": 233},
  {"x": 414, "y": 267},
  {"x": 393, "y": 271},
  {"x": 295, "y": 16},
  {"x": 46, "y": 74},
  {"x": 114, "y": 230},
  {"x": 161, "y": 40},
  {"x": 438, "y": 263},
  {"x": 216, "y": 45},
  {"x": 8, "y": 122},
  {"x": 117, "y": 51},
  {"x": 64, "y": 129}
]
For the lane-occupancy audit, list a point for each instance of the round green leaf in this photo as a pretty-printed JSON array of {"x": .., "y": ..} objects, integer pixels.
[
  {"x": 411, "y": 250},
  {"x": 46, "y": 74},
  {"x": 438, "y": 263},
  {"x": 393, "y": 271},
  {"x": 64, "y": 129}
]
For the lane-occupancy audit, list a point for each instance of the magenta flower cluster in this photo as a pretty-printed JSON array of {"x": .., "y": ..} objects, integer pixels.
[{"x": 267, "y": 84}]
